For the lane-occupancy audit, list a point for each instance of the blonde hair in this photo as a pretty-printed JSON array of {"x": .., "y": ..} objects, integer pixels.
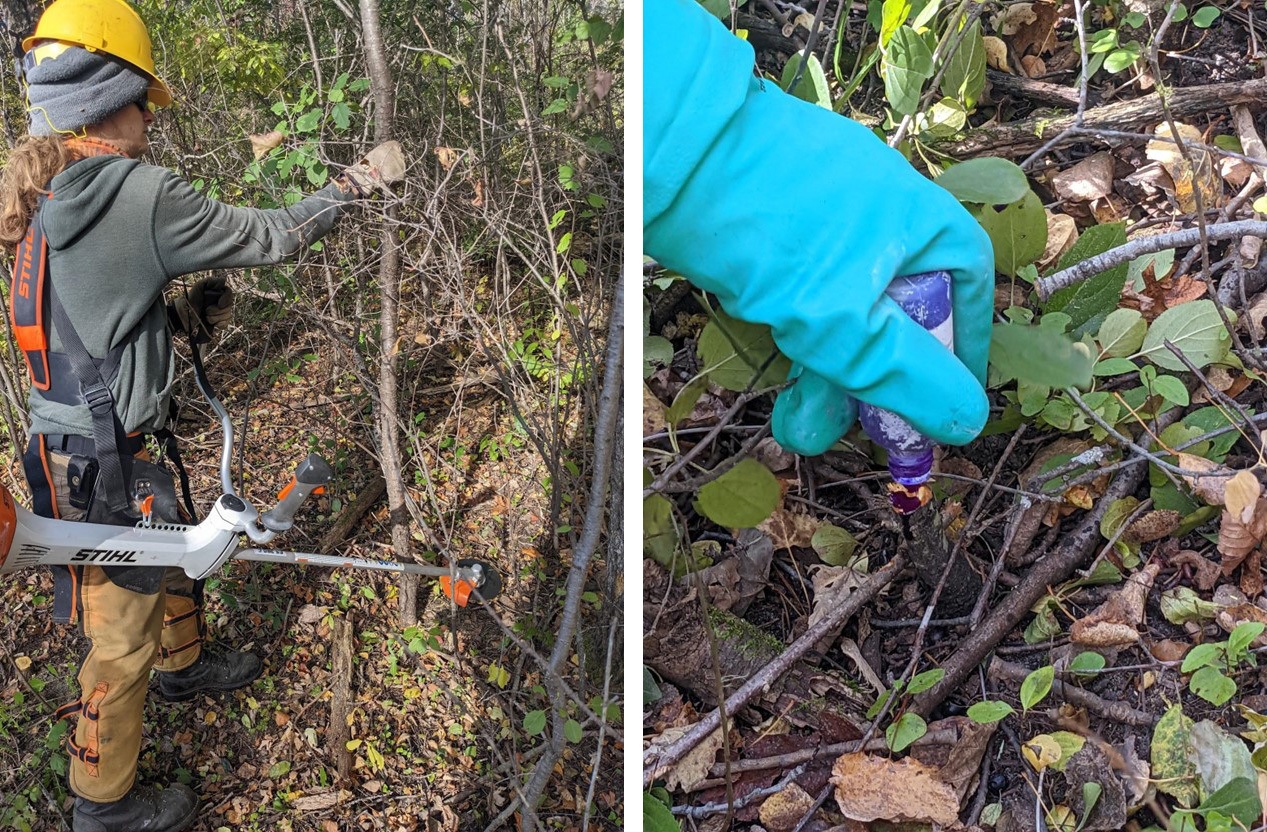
[{"x": 31, "y": 166}]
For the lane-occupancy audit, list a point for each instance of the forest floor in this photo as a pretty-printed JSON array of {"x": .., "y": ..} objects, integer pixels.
[
  {"x": 1094, "y": 660},
  {"x": 434, "y": 737}
]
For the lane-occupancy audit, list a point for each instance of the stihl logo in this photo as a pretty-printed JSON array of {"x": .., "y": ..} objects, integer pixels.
[
  {"x": 24, "y": 271},
  {"x": 103, "y": 556}
]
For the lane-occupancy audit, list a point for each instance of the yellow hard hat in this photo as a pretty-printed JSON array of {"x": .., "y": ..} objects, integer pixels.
[{"x": 109, "y": 26}]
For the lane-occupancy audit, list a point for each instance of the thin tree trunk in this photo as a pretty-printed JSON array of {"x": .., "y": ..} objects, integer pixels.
[{"x": 389, "y": 311}]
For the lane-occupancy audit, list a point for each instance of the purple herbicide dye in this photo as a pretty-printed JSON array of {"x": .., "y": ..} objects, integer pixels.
[{"x": 926, "y": 298}]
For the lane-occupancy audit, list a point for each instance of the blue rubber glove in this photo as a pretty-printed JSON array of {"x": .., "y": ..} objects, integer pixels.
[{"x": 799, "y": 218}]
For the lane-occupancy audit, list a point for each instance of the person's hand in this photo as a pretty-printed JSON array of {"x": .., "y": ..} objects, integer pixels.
[
  {"x": 381, "y": 168},
  {"x": 799, "y": 218},
  {"x": 207, "y": 305}
]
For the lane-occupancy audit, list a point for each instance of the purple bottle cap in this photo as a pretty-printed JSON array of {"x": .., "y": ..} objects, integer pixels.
[{"x": 911, "y": 470}]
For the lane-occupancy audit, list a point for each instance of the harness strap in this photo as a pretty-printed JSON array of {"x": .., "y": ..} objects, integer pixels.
[{"x": 108, "y": 435}]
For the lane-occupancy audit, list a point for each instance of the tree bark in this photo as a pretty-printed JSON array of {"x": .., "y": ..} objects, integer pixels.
[{"x": 388, "y": 317}]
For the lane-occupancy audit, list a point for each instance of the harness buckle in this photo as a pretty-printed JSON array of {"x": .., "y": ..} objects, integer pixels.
[
  {"x": 98, "y": 398},
  {"x": 143, "y": 497}
]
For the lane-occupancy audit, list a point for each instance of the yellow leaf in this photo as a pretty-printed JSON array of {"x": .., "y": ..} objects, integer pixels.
[
  {"x": 1041, "y": 751},
  {"x": 446, "y": 155},
  {"x": 1242, "y": 493},
  {"x": 210, "y": 718},
  {"x": 352, "y": 745},
  {"x": 23, "y": 663}
]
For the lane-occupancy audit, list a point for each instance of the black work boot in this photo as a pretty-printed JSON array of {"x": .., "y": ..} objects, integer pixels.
[
  {"x": 217, "y": 668},
  {"x": 145, "y": 808}
]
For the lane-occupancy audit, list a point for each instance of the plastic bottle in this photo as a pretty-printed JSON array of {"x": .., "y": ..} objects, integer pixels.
[{"x": 926, "y": 298}]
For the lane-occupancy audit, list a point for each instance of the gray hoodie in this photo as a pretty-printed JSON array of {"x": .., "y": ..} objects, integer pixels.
[{"x": 118, "y": 231}]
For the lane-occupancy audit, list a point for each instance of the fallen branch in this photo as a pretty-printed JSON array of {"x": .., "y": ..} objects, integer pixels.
[
  {"x": 1079, "y": 272},
  {"x": 1114, "y": 711},
  {"x": 1051, "y": 570},
  {"x": 657, "y": 760},
  {"x": 1023, "y": 136}
]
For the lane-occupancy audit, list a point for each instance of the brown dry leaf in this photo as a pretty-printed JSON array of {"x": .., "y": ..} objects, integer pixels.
[
  {"x": 1029, "y": 27},
  {"x": 788, "y": 529},
  {"x": 447, "y": 156},
  {"x": 1090, "y": 179},
  {"x": 598, "y": 82},
  {"x": 873, "y": 788},
  {"x": 1033, "y": 66},
  {"x": 1252, "y": 574},
  {"x": 958, "y": 762},
  {"x": 1235, "y": 172},
  {"x": 262, "y": 143},
  {"x": 1062, "y": 233},
  {"x": 1168, "y": 650},
  {"x": 1207, "y": 571},
  {"x": 1211, "y": 482},
  {"x": 652, "y": 413},
  {"x": 317, "y": 802},
  {"x": 1162, "y": 293},
  {"x": 1236, "y": 539},
  {"x": 960, "y": 467},
  {"x": 996, "y": 54},
  {"x": 692, "y": 769},
  {"x": 478, "y": 200},
  {"x": 1256, "y": 313},
  {"x": 772, "y": 455},
  {"x": 1115, "y": 622},
  {"x": 783, "y": 810},
  {"x": 1153, "y": 526},
  {"x": 832, "y": 584},
  {"x": 735, "y": 581},
  {"x": 1241, "y": 495},
  {"x": 1189, "y": 178}
]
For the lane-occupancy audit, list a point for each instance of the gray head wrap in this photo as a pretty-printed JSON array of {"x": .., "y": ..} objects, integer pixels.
[{"x": 78, "y": 88}]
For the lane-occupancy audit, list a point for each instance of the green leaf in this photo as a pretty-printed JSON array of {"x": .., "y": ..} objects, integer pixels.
[
  {"x": 985, "y": 179},
  {"x": 989, "y": 711},
  {"x": 1238, "y": 799},
  {"x": 1036, "y": 686},
  {"x": 905, "y": 730},
  {"x": 1114, "y": 367},
  {"x": 893, "y": 14},
  {"x": 1242, "y": 636},
  {"x": 1205, "y": 16},
  {"x": 535, "y": 722},
  {"x": 684, "y": 401},
  {"x": 1122, "y": 333},
  {"x": 1043, "y": 627},
  {"x": 944, "y": 119},
  {"x": 651, "y": 692},
  {"x": 1089, "y": 303},
  {"x": 1018, "y": 232},
  {"x": 1070, "y": 744},
  {"x": 1091, "y": 793},
  {"x": 921, "y": 682},
  {"x": 659, "y": 532},
  {"x": 657, "y": 352},
  {"x": 813, "y": 84},
  {"x": 1122, "y": 58},
  {"x": 279, "y": 769},
  {"x": 835, "y": 546},
  {"x": 656, "y": 817},
  {"x": 733, "y": 350},
  {"x": 1211, "y": 685},
  {"x": 558, "y": 105},
  {"x": 341, "y": 113},
  {"x": 740, "y": 498},
  {"x": 1039, "y": 355},
  {"x": 572, "y": 731},
  {"x": 908, "y": 63},
  {"x": 1087, "y": 663},
  {"x": 1173, "y": 772},
  {"x": 964, "y": 77},
  {"x": 1194, "y": 328},
  {"x": 1181, "y": 605},
  {"x": 308, "y": 121},
  {"x": 1171, "y": 389}
]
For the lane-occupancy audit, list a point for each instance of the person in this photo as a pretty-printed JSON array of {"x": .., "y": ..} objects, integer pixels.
[
  {"x": 99, "y": 236},
  {"x": 799, "y": 218}
]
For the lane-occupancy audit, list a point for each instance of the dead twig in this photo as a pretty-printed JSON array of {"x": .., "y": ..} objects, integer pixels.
[{"x": 1114, "y": 711}]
